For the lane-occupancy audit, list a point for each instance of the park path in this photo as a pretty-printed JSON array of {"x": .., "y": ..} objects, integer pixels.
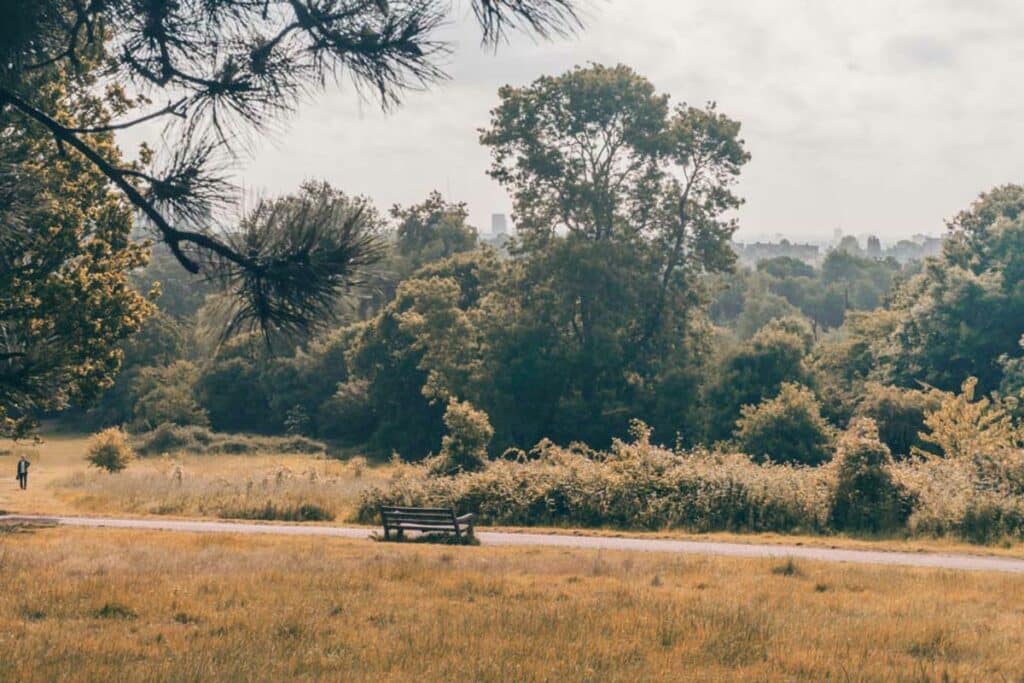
[{"x": 498, "y": 538}]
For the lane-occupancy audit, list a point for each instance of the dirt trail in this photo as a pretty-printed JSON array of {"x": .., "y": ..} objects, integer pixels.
[{"x": 934, "y": 560}]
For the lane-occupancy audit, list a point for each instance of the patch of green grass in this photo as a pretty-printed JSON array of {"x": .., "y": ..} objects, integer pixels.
[
  {"x": 269, "y": 511},
  {"x": 787, "y": 568},
  {"x": 114, "y": 610}
]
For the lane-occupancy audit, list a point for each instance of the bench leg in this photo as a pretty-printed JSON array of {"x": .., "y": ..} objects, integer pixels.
[{"x": 387, "y": 533}]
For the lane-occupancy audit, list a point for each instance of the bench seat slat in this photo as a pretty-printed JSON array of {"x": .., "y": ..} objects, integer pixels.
[
  {"x": 392, "y": 508},
  {"x": 428, "y": 522}
]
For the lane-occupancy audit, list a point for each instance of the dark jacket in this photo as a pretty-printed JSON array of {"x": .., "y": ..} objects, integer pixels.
[{"x": 23, "y": 467}]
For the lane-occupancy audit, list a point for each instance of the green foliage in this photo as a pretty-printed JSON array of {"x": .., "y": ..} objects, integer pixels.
[
  {"x": 464, "y": 447},
  {"x": 759, "y": 309},
  {"x": 634, "y": 485},
  {"x": 965, "y": 428},
  {"x": 269, "y": 511},
  {"x": 165, "y": 396},
  {"x": 232, "y": 393},
  {"x": 788, "y": 428},
  {"x": 866, "y": 498},
  {"x": 964, "y": 311},
  {"x": 65, "y": 300},
  {"x": 899, "y": 414},
  {"x": 432, "y": 231},
  {"x": 785, "y": 267},
  {"x": 752, "y": 373},
  {"x": 168, "y": 438},
  {"x": 109, "y": 450},
  {"x": 297, "y": 420},
  {"x": 348, "y": 415}
]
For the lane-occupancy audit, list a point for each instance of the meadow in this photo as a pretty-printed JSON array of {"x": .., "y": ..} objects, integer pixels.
[
  {"x": 261, "y": 485},
  {"x": 106, "y": 605}
]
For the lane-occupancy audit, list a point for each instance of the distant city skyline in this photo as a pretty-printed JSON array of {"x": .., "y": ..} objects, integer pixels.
[{"x": 874, "y": 117}]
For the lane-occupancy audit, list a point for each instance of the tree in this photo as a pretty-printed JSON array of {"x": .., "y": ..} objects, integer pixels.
[
  {"x": 598, "y": 153},
  {"x": 898, "y": 414},
  {"x": 65, "y": 299},
  {"x": 230, "y": 68},
  {"x": 621, "y": 204},
  {"x": 785, "y": 267},
  {"x": 963, "y": 315},
  {"x": 787, "y": 428},
  {"x": 752, "y": 373},
  {"x": 431, "y": 231}
]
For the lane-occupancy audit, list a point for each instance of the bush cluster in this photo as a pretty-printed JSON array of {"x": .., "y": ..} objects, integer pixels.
[
  {"x": 635, "y": 484},
  {"x": 170, "y": 438},
  {"x": 643, "y": 486}
]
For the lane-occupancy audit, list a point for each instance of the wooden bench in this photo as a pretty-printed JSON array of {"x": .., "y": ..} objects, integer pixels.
[{"x": 402, "y": 519}]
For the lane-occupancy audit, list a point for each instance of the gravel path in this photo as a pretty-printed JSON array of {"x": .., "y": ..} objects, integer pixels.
[{"x": 935, "y": 560}]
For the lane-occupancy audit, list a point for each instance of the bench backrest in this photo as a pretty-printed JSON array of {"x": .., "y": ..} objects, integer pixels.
[{"x": 423, "y": 517}]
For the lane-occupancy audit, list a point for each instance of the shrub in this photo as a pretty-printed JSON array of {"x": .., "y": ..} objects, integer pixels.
[
  {"x": 788, "y": 428},
  {"x": 635, "y": 485},
  {"x": 168, "y": 438},
  {"x": 297, "y": 421},
  {"x": 962, "y": 427},
  {"x": 866, "y": 497},
  {"x": 109, "y": 450},
  {"x": 756, "y": 370},
  {"x": 464, "y": 447},
  {"x": 899, "y": 414},
  {"x": 165, "y": 395},
  {"x": 348, "y": 414},
  {"x": 269, "y": 511}
]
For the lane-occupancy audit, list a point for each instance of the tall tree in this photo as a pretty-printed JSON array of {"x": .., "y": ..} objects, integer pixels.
[
  {"x": 621, "y": 202},
  {"x": 432, "y": 230},
  {"x": 963, "y": 315},
  {"x": 598, "y": 155}
]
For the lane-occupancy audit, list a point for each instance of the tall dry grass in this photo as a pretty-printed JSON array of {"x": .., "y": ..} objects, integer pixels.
[
  {"x": 110, "y": 605},
  {"x": 297, "y": 488}
]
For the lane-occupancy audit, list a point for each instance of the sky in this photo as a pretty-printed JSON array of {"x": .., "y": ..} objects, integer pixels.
[{"x": 872, "y": 117}]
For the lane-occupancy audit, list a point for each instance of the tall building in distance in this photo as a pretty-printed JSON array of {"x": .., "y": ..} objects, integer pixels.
[{"x": 499, "y": 224}]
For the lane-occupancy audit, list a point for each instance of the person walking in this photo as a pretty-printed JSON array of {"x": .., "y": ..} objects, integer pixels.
[{"x": 23, "y": 472}]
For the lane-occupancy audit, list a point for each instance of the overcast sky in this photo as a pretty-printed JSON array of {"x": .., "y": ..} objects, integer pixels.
[{"x": 876, "y": 116}]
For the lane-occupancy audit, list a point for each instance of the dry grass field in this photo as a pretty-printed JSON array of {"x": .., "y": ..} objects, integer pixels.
[
  {"x": 229, "y": 486},
  {"x": 115, "y": 605}
]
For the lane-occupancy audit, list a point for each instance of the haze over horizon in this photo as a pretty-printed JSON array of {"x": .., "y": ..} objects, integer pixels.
[{"x": 867, "y": 118}]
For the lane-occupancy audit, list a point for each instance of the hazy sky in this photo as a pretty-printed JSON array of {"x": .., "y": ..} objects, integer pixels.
[{"x": 871, "y": 116}]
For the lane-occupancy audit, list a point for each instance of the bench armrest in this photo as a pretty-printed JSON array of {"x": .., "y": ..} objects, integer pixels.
[{"x": 466, "y": 519}]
